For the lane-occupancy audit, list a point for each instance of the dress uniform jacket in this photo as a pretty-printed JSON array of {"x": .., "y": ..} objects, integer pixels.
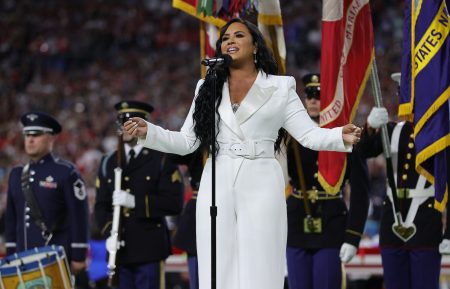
[
  {"x": 156, "y": 184},
  {"x": 338, "y": 224},
  {"x": 428, "y": 221},
  {"x": 61, "y": 196},
  {"x": 251, "y": 217},
  {"x": 185, "y": 235}
]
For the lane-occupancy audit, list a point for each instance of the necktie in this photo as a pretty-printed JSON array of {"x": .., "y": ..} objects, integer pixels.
[{"x": 132, "y": 158}]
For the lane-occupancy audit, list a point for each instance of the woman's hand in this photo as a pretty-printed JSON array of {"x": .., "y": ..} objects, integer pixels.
[
  {"x": 351, "y": 134},
  {"x": 135, "y": 126}
]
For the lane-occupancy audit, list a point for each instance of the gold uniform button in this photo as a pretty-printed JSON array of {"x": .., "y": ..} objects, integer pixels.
[
  {"x": 128, "y": 190},
  {"x": 316, "y": 175},
  {"x": 148, "y": 178},
  {"x": 408, "y": 156},
  {"x": 126, "y": 178},
  {"x": 109, "y": 181},
  {"x": 404, "y": 177},
  {"x": 411, "y": 135},
  {"x": 314, "y": 188},
  {"x": 410, "y": 145},
  {"x": 430, "y": 205},
  {"x": 406, "y": 166}
]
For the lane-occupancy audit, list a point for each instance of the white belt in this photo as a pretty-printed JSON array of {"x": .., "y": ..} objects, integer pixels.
[
  {"x": 251, "y": 149},
  {"x": 414, "y": 193}
]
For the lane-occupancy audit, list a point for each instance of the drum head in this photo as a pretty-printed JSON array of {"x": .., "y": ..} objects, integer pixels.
[
  {"x": 29, "y": 260},
  {"x": 44, "y": 267}
]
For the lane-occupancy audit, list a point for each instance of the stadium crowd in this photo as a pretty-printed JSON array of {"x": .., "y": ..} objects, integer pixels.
[{"x": 75, "y": 59}]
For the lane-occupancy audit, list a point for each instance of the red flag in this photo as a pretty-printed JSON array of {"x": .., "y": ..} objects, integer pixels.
[{"x": 346, "y": 58}]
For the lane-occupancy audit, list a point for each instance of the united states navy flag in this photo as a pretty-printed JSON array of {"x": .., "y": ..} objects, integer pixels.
[{"x": 425, "y": 89}]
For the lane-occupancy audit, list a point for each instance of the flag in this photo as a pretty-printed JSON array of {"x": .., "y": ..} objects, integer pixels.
[
  {"x": 216, "y": 12},
  {"x": 346, "y": 57},
  {"x": 191, "y": 8},
  {"x": 425, "y": 89},
  {"x": 208, "y": 38},
  {"x": 209, "y": 25},
  {"x": 270, "y": 24}
]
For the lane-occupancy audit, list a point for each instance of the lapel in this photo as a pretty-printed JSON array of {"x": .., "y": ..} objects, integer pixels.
[
  {"x": 260, "y": 92},
  {"x": 257, "y": 96},
  {"x": 226, "y": 113},
  {"x": 143, "y": 157}
]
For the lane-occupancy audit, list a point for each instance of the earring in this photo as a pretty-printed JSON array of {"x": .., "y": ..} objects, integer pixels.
[{"x": 255, "y": 60}]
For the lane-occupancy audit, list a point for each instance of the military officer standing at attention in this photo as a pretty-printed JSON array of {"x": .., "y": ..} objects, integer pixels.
[
  {"x": 47, "y": 201},
  {"x": 410, "y": 252},
  {"x": 152, "y": 189},
  {"x": 322, "y": 233},
  {"x": 185, "y": 235}
]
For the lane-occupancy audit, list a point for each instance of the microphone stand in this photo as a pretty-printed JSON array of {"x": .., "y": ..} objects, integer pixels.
[
  {"x": 222, "y": 62},
  {"x": 213, "y": 208}
]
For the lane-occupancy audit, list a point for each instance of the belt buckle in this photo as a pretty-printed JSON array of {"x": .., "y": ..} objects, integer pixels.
[
  {"x": 251, "y": 149},
  {"x": 312, "y": 225},
  {"x": 238, "y": 149},
  {"x": 313, "y": 195},
  {"x": 403, "y": 193}
]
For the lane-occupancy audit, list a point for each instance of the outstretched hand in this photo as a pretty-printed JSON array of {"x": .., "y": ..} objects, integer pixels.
[
  {"x": 351, "y": 134},
  {"x": 135, "y": 126}
]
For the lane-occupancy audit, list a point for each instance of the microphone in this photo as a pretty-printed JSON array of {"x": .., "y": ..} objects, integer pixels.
[{"x": 224, "y": 61}]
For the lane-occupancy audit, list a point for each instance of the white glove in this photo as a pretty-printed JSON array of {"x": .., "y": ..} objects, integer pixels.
[
  {"x": 377, "y": 117},
  {"x": 444, "y": 247},
  {"x": 124, "y": 199},
  {"x": 112, "y": 245},
  {"x": 347, "y": 252}
]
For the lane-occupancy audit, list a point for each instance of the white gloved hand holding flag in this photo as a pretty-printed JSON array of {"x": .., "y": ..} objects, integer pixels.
[{"x": 124, "y": 199}]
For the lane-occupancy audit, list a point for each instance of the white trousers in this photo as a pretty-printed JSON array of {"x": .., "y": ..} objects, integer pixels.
[{"x": 251, "y": 224}]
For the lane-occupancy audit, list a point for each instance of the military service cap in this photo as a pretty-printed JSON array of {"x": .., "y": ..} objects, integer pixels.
[
  {"x": 133, "y": 108},
  {"x": 312, "y": 85},
  {"x": 36, "y": 122}
]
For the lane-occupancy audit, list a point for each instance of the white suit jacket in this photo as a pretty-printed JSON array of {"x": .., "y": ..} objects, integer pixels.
[{"x": 271, "y": 103}]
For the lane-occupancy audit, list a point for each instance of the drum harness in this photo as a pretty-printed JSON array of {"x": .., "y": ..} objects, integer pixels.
[{"x": 35, "y": 210}]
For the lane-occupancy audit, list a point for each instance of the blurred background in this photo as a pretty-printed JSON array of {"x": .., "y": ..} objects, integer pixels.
[{"x": 75, "y": 59}]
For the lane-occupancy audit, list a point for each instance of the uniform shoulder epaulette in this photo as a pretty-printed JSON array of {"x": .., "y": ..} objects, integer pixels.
[
  {"x": 65, "y": 163},
  {"x": 71, "y": 167}
]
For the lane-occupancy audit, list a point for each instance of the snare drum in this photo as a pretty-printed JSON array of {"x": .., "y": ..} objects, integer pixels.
[{"x": 44, "y": 267}]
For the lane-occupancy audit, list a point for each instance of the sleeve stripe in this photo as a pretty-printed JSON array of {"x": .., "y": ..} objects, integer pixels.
[{"x": 79, "y": 245}]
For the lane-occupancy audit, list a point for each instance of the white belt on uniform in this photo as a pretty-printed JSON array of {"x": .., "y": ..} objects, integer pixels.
[
  {"x": 414, "y": 193},
  {"x": 250, "y": 149}
]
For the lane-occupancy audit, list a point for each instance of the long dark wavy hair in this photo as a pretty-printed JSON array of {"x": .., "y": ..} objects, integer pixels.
[{"x": 203, "y": 104}]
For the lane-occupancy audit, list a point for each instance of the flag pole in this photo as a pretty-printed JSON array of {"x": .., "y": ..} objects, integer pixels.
[{"x": 398, "y": 227}]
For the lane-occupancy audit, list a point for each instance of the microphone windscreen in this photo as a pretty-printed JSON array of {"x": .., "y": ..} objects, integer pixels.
[{"x": 226, "y": 60}]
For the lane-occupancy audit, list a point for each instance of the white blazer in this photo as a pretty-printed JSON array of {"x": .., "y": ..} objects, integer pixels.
[{"x": 271, "y": 103}]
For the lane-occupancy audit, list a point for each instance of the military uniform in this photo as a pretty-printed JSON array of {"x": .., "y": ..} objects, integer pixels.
[
  {"x": 185, "y": 235},
  {"x": 320, "y": 250},
  {"x": 156, "y": 184},
  {"x": 58, "y": 191},
  {"x": 313, "y": 251},
  {"x": 414, "y": 263}
]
